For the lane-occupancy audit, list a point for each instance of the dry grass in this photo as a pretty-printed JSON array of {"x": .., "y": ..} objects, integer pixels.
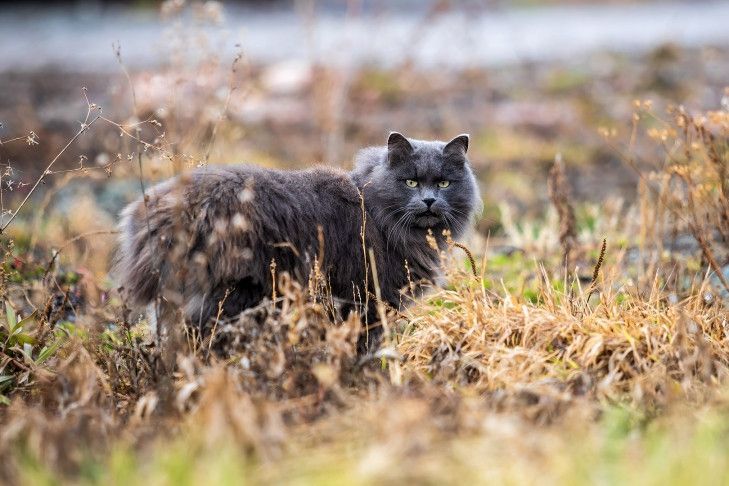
[
  {"x": 554, "y": 362},
  {"x": 642, "y": 350},
  {"x": 475, "y": 365}
]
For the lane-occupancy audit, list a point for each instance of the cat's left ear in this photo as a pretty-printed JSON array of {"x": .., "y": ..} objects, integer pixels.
[
  {"x": 398, "y": 148},
  {"x": 458, "y": 146}
]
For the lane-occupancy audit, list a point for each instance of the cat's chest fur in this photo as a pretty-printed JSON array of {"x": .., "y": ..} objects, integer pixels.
[{"x": 405, "y": 266}]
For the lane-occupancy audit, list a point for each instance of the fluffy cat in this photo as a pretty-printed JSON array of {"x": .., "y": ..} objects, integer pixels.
[{"x": 210, "y": 236}]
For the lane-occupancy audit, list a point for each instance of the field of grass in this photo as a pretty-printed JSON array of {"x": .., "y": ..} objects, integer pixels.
[{"x": 582, "y": 334}]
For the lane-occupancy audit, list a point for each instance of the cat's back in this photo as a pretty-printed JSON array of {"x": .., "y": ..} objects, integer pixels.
[
  {"x": 248, "y": 183},
  {"x": 220, "y": 210},
  {"x": 205, "y": 195}
]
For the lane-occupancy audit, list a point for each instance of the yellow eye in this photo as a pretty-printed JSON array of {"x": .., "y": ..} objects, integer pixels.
[
  {"x": 411, "y": 183},
  {"x": 444, "y": 184}
]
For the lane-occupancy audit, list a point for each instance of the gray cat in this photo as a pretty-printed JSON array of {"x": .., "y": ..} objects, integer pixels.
[{"x": 205, "y": 242}]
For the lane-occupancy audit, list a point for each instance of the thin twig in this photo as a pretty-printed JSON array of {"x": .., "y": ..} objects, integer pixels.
[
  {"x": 231, "y": 89},
  {"x": 217, "y": 320},
  {"x": 116, "y": 47},
  {"x": 84, "y": 127}
]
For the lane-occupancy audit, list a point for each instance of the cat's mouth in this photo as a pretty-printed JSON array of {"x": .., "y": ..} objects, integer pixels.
[{"x": 427, "y": 219}]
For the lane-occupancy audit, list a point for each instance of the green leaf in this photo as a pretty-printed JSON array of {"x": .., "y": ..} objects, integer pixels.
[
  {"x": 21, "y": 338},
  {"x": 5, "y": 379},
  {"x": 11, "y": 318},
  {"x": 27, "y": 320},
  {"x": 49, "y": 351},
  {"x": 4, "y": 400},
  {"x": 27, "y": 353}
]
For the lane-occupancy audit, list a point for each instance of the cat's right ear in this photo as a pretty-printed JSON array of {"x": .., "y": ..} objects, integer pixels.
[{"x": 398, "y": 148}]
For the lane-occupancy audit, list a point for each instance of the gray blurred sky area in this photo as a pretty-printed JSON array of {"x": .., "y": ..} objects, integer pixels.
[{"x": 79, "y": 36}]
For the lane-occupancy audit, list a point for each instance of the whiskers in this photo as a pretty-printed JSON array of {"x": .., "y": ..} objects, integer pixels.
[
  {"x": 456, "y": 221},
  {"x": 401, "y": 226},
  {"x": 397, "y": 221}
]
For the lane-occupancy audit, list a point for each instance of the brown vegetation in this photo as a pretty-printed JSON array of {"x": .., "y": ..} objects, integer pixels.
[{"x": 548, "y": 355}]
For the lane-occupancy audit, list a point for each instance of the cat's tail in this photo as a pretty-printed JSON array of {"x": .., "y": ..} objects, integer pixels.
[
  {"x": 142, "y": 263},
  {"x": 137, "y": 266}
]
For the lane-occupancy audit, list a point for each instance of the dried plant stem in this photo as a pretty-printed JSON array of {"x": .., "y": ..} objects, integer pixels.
[
  {"x": 380, "y": 305},
  {"x": 559, "y": 193},
  {"x": 709, "y": 255},
  {"x": 231, "y": 89},
  {"x": 363, "y": 233},
  {"x": 469, "y": 255},
  {"x": 699, "y": 232},
  {"x": 116, "y": 47},
  {"x": 600, "y": 260},
  {"x": 272, "y": 267},
  {"x": 84, "y": 127},
  {"x": 596, "y": 271},
  {"x": 217, "y": 319}
]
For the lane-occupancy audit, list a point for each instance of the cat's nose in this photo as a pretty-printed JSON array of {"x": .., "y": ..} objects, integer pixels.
[{"x": 429, "y": 201}]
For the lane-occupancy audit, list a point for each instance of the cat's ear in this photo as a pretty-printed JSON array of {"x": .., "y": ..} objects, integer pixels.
[
  {"x": 398, "y": 148},
  {"x": 457, "y": 147}
]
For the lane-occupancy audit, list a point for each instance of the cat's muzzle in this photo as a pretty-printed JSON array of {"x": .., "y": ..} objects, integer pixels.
[{"x": 428, "y": 219}]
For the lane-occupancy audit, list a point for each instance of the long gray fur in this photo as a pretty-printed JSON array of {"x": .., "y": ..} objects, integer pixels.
[{"x": 216, "y": 230}]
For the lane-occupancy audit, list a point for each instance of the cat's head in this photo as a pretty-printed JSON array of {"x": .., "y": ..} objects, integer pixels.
[{"x": 413, "y": 185}]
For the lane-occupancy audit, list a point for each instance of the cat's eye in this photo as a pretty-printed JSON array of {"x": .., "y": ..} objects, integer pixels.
[
  {"x": 444, "y": 184},
  {"x": 411, "y": 183}
]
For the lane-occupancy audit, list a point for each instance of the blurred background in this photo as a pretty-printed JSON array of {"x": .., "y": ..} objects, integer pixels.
[{"x": 294, "y": 83}]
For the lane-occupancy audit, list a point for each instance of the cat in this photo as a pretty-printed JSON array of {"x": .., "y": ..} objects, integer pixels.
[{"x": 204, "y": 242}]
